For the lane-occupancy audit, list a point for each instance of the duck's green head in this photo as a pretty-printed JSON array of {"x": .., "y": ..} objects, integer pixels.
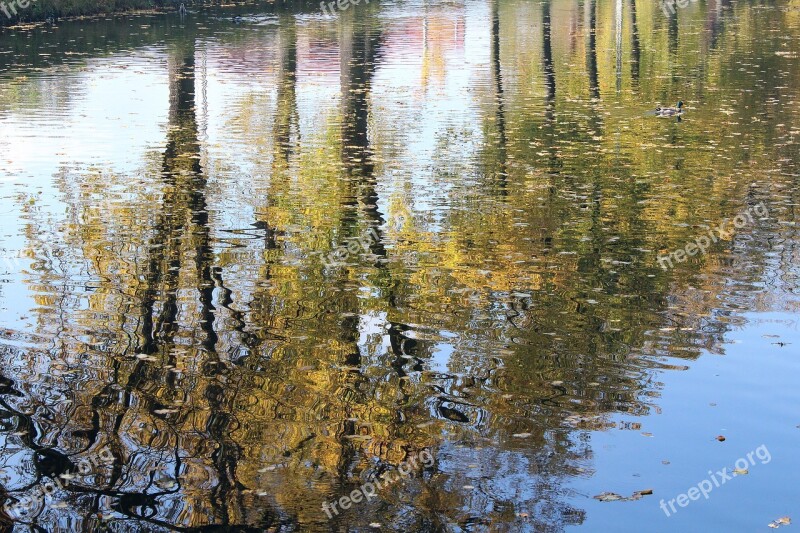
[{"x": 680, "y": 104}]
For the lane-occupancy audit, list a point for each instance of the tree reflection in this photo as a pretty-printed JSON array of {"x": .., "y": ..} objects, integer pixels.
[{"x": 238, "y": 382}]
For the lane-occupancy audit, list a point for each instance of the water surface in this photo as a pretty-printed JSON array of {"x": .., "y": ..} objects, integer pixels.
[{"x": 257, "y": 258}]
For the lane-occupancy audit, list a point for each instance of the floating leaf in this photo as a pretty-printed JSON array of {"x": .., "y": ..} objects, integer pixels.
[
  {"x": 609, "y": 497},
  {"x": 358, "y": 437},
  {"x": 613, "y": 496},
  {"x": 166, "y": 483},
  {"x": 784, "y": 521}
]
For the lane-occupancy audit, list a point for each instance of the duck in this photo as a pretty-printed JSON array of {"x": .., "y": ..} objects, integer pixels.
[{"x": 670, "y": 111}]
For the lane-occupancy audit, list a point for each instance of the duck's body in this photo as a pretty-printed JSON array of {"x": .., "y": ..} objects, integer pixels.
[{"x": 670, "y": 111}]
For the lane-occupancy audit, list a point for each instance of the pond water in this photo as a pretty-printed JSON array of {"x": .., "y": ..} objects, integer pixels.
[{"x": 253, "y": 259}]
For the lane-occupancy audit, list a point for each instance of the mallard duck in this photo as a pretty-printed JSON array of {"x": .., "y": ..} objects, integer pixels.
[{"x": 670, "y": 111}]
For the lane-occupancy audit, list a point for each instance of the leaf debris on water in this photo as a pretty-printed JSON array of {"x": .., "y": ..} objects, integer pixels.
[
  {"x": 609, "y": 497},
  {"x": 784, "y": 521},
  {"x": 613, "y": 496}
]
